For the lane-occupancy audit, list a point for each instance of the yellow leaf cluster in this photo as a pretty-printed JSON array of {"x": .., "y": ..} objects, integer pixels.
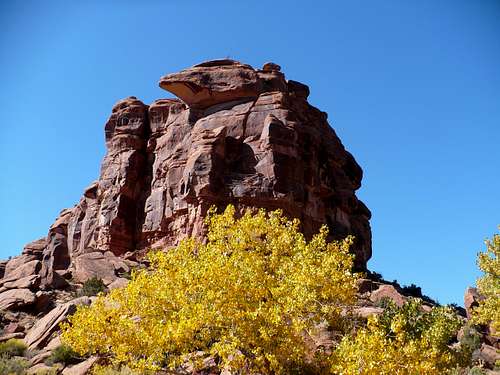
[
  {"x": 404, "y": 341},
  {"x": 245, "y": 296},
  {"x": 488, "y": 311}
]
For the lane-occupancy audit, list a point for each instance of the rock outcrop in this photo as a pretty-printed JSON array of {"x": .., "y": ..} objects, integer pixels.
[{"x": 235, "y": 135}]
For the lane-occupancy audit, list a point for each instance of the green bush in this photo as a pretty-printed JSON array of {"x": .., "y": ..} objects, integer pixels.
[
  {"x": 476, "y": 371},
  {"x": 13, "y": 366},
  {"x": 62, "y": 354},
  {"x": 470, "y": 340},
  {"x": 12, "y": 348},
  {"x": 92, "y": 287}
]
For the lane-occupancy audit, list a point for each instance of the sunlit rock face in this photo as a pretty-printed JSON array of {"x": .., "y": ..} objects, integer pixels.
[{"x": 234, "y": 134}]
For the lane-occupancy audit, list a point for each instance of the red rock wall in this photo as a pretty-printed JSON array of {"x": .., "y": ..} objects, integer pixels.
[{"x": 236, "y": 135}]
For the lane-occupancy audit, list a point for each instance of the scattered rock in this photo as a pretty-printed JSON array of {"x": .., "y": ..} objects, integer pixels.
[
  {"x": 81, "y": 368},
  {"x": 13, "y": 328},
  {"x": 27, "y": 282},
  {"x": 118, "y": 283},
  {"x": 16, "y": 299},
  {"x": 46, "y": 351},
  {"x": 489, "y": 354},
  {"x": 102, "y": 266},
  {"x": 21, "y": 266},
  {"x": 387, "y": 292},
  {"x": 43, "y": 301},
  {"x": 367, "y": 311},
  {"x": 471, "y": 300},
  {"x": 41, "y": 332}
]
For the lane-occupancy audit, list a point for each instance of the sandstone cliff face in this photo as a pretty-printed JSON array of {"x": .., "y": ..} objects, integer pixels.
[{"x": 235, "y": 135}]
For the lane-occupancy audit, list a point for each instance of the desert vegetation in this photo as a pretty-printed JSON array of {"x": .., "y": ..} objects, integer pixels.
[{"x": 249, "y": 300}]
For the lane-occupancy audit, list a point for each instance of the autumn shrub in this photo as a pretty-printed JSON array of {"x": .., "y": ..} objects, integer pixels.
[
  {"x": 92, "y": 287},
  {"x": 247, "y": 296},
  {"x": 12, "y": 348},
  {"x": 403, "y": 341},
  {"x": 488, "y": 311}
]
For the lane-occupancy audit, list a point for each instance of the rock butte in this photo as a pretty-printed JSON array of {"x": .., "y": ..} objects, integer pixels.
[{"x": 235, "y": 135}]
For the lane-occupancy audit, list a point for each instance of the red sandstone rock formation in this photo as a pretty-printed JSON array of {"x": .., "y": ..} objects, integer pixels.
[{"x": 235, "y": 135}]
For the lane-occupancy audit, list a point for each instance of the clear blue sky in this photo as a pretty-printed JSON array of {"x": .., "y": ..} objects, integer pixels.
[{"x": 411, "y": 87}]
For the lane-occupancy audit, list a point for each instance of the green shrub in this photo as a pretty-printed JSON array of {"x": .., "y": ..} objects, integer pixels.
[
  {"x": 92, "y": 287},
  {"x": 62, "y": 354},
  {"x": 470, "y": 340},
  {"x": 12, "y": 348},
  {"x": 13, "y": 366},
  {"x": 476, "y": 371}
]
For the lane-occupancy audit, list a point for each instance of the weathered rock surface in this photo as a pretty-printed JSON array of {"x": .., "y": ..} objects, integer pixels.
[
  {"x": 236, "y": 135},
  {"x": 16, "y": 298},
  {"x": 471, "y": 300},
  {"x": 81, "y": 368},
  {"x": 387, "y": 292},
  {"x": 40, "y": 334}
]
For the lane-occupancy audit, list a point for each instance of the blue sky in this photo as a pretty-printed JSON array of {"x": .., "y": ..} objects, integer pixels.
[{"x": 411, "y": 87}]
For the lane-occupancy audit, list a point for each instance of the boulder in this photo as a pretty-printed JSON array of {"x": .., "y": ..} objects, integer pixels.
[
  {"x": 488, "y": 354},
  {"x": 387, "y": 292},
  {"x": 27, "y": 282},
  {"x": 367, "y": 311},
  {"x": 46, "y": 351},
  {"x": 118, "y": 283},
  {"x": 96, "y": 264},
  {"x": 39, "y": 335},
  {"x": 21, "y": 266},
  {"x": 13, "y": 327},
  {"x": 471, "y": 300},
  {"x": 80, "y": 368},
  {"x": 43, "y": 302},
  {"x": 16, "y": 299},
  {"x": 35, "y": 248}
]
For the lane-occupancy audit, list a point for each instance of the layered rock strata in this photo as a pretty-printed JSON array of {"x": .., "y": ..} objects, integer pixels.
[{"x": 234, "y": 135}]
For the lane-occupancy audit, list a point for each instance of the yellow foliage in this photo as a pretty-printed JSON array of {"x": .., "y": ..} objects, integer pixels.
[
  {"x": 488, "y": 285},
  {"x": 246, "y": 296},
  {"x": 405, "y": 341}
]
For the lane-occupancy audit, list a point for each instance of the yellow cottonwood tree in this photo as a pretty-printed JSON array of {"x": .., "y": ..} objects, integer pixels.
[
  {"x": 488, "y": 311},
  {"x": 246, "y": 296},
  {"x": 404, "y": 341}
]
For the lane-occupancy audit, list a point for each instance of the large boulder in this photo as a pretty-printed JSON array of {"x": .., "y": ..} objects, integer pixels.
[
  {"x": 41, "y": 333},
  {"x": 81, "y": 368},
  {"x": 16, "y": 299},
  {"x": 387, "y": 292},
  {"x": 103, "y": 266}
]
